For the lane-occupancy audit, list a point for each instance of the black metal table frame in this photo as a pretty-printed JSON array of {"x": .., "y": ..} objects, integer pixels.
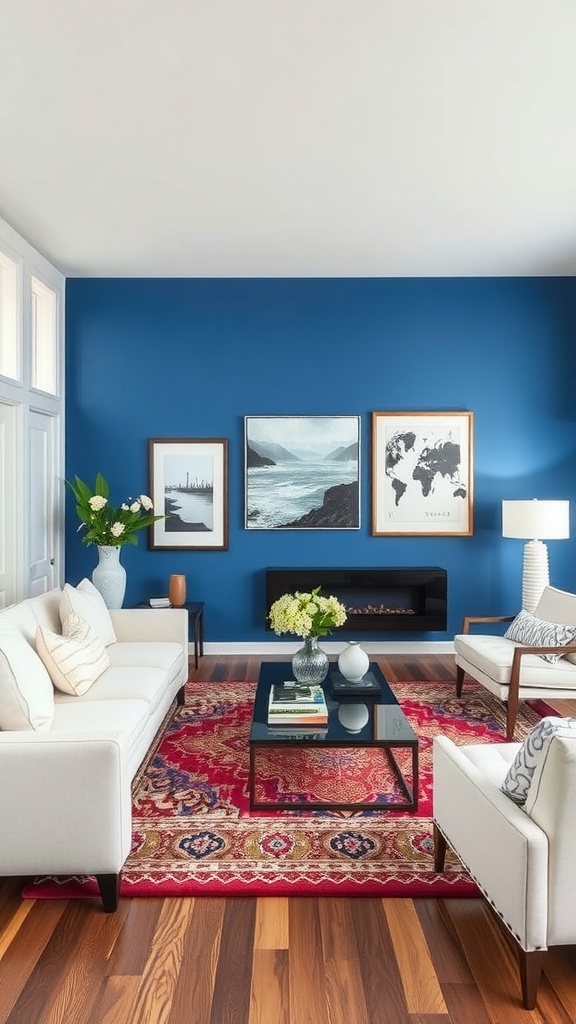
[{"x": 309, "y": 743}]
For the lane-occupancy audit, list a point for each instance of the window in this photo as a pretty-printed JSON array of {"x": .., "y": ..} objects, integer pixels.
[
  {"x": 44, "y": 337},
  {"x": 10, "y": 357}
]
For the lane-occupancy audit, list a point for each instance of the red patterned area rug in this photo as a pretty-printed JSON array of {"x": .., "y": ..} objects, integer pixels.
[{"x": 193, "y": 833}]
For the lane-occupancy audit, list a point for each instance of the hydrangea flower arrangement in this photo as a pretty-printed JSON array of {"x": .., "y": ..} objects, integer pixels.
[
  {"x": 306, "y": 615},
  {"x": 108, "y": 525}
]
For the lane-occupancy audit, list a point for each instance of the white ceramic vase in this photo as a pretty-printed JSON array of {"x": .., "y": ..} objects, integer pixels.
[
  {"x": 109, "y": 576},
  {"x": 353, "y": 662}
]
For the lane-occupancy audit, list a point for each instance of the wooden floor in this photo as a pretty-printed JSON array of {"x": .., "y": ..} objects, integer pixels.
[{"x": 300, "y": 960}]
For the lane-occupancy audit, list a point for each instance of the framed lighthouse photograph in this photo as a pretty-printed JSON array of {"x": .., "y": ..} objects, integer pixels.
[{"x": 189, "y": 486}]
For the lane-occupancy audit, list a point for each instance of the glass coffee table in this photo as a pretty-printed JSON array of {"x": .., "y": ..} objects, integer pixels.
[{"x": 381, "y": 722}]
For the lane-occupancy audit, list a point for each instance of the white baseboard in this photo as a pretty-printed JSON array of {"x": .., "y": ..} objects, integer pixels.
[{"x": 285, "y": 650}]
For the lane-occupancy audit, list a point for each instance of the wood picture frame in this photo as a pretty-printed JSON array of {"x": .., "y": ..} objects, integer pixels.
[
  {"x": 302, "y": 472},
  {"x": 422, "y": 482},
  {"x": 189, "y": 483}
]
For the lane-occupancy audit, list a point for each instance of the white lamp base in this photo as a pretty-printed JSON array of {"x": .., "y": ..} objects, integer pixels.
[{"x": 535, "y": 574}]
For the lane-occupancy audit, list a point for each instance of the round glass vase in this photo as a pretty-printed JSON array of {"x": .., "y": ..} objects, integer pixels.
[{"x": 310, "y": 663}]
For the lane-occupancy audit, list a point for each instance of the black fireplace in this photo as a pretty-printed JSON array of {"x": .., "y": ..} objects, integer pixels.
[{"x": 377, "y": 600}]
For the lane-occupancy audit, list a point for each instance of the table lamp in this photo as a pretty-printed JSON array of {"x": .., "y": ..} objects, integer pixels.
[{"x": 535, "y": 521}]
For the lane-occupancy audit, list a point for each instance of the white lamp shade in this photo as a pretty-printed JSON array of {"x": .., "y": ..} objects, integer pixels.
[{"x": 536, "y": 520}]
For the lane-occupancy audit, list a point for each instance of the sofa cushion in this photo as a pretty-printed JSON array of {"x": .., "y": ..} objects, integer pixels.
[
  {"x": 519, "y": 776},
  {"x": 492, "y": 655},
  {"x": 530, "y": 631},
  {"x": 26, "y": 691},
  {"x": 148, "y": 654},
  {"x": 74, "y": 659},
  {"x": 146, "y": 685},
  {"x": 88, "y": 603}
]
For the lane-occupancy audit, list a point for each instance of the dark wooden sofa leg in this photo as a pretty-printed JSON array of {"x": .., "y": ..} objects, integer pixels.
[
  {"x": 109, "y": 886},
  {"x": 459, "y": 680},
  {"x": 530, "y": 970},
  {"x": 439, "y": 849},
  {"x": 180, "y": 696}
]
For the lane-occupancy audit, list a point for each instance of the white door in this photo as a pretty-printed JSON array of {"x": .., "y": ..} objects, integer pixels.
[
  {"x": 10, "y": 536},
  {"x": 44, "y": 502}
]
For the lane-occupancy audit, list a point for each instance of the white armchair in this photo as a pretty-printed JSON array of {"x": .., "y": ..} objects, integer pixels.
[
  {"x": 522, "y": 857},
  {"x": 515, "y": 671}
]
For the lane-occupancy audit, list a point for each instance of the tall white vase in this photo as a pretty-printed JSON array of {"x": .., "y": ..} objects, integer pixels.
[
  {"x": 353, "y": 662},
  {"x": 109, "y": 576}
]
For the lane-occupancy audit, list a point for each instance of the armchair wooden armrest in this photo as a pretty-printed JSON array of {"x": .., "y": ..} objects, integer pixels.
[
  {"x": 470, "y": 620},
  {"x": 514, "y": 687}
]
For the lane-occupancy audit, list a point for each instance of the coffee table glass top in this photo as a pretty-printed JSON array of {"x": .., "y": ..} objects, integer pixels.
[{"x": 363, "y": 719}]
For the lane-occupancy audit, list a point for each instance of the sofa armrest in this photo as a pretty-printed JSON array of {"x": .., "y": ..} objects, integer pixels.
[
  {"x": 504, "y": 850},
  {"x": 65, "y": 802},
  {"x": 474, "y": 620},
  {"x": 152, "y": 624}
]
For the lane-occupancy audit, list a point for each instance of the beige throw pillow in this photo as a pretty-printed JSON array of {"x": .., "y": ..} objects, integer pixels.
[
  {"x": 26, "y": 691},
  {"x": 74, "y": 660},
  {"x": 88, "y": 603}
]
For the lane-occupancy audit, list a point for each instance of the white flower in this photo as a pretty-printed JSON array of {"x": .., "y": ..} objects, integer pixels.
[
  {"x": 125, "y": 507},
  {"x": 146, "y": 502},
  {"x": 135, "y": 507},
  {"x": 97, "y": 502},
  {"x": 117, "y": 529}
]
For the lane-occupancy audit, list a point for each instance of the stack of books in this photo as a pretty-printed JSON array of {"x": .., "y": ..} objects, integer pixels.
[
  {"x": 297, "y": 705},
  {"x": 160, "y": 602}
]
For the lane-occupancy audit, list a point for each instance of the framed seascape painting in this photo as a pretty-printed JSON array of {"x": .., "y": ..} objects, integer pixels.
[
  {"x": 422, "y": 474},
  {"x": 302, "y": 472},
  {"x": 189, "y": 482}
]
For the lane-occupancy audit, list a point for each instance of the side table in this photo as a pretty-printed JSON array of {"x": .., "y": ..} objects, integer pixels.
[{"x": 195, "y": 611}]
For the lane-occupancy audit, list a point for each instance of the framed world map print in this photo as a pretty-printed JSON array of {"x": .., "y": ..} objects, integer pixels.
[{"x": 422, "y": 474}]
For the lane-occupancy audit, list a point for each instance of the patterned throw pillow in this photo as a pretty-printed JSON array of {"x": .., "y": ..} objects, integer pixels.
[
  {"x": 520, "y": 773},
  {"x": 532, "y": 632}
]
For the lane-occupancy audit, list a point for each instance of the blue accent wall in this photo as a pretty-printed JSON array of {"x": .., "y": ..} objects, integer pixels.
[{"x": 190, "y": 358}]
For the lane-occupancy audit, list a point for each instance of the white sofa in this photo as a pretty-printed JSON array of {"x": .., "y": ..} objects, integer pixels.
[{"x": 67, "y": 759}]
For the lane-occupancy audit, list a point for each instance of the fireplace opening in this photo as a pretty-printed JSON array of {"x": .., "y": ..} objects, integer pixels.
[{"x": 376, "y": 600}]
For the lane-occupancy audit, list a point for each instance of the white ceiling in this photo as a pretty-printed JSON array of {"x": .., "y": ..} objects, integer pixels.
[{"x": 291, "y": 137}]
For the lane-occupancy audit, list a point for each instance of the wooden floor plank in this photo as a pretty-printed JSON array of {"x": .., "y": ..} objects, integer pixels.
[
  {"x": 383, "y": 992},
  {"x": 272, "y": 923},
  {"x": 160, "y": 974},
  {"x": 192, "y": 1001},
  {"x": 141, "y": 919},
  {"x": 446, "y": 952},
  {"x": 232, "y": 984},
  {"x": 24, "y": 950},
  {"x": 492, "y": 963},
  {"x": 345, "y": 992},
  {"x": 114, "y": 1002},
  {"x": 307, "y": 980},
  {"x": 417, "y": 974},
  {"x": 269, "y": 993}
]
